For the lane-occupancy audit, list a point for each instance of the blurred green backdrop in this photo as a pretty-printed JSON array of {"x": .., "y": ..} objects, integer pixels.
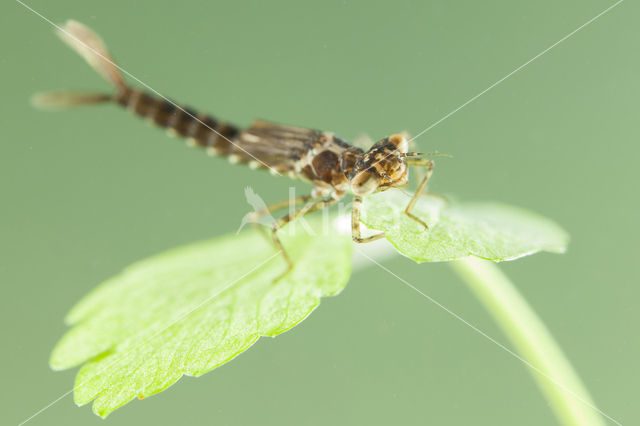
[{"x": 86, "y": 192}]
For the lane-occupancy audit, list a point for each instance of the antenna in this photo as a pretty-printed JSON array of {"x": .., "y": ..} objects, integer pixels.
[{"x": 425, "y": 154}]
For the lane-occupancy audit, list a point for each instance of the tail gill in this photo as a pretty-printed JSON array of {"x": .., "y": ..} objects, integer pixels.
[
  {"x": 91, "y": 47},
  {"x": 202, "y": 130}
]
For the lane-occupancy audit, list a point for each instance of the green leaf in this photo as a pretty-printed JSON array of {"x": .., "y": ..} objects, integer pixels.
[
  {"x": 487, "y": 230},
  {"x": 189, "y": 310}
]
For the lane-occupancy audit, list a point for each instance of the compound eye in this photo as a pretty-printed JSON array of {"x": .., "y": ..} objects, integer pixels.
[{"x": 400, "y": 142}]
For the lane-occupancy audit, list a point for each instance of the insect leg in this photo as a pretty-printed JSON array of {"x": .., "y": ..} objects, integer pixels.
[
  {"x": 428, "y": 164},
  {"x": 314, "y": 205},
  {"x": 413, "y": 146},
  {"x": 253, "y": 218},
  {"x": 355, "y": 224}
]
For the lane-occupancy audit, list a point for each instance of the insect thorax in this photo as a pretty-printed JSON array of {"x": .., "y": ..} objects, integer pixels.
[{"x": 329, "y": 164}]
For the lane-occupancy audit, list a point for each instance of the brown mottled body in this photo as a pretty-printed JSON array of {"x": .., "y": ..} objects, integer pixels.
[
  {"x": 332, "y": 165},
  {"x": 318, "y": 157},
  {"x": 203, "y": 130}
]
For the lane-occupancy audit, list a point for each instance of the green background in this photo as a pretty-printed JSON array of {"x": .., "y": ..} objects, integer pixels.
[{"x": 86, "y": 192}]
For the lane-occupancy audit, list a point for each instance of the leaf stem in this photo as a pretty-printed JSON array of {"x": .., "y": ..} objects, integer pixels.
[{"x": 535, "y": 345}]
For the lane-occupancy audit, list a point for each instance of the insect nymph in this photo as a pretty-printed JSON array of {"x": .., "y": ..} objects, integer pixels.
[{"x": 334, "y": 167}]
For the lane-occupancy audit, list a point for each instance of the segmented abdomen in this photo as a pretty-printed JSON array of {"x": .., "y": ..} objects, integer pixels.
[{"x": 203, "y": 130}]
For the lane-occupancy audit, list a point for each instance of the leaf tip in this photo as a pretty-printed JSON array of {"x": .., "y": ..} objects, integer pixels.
[{"x": 56, "y": 361}]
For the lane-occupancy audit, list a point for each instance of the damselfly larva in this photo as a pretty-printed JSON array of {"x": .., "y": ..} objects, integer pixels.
[{"x": 332, "y": 165}]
